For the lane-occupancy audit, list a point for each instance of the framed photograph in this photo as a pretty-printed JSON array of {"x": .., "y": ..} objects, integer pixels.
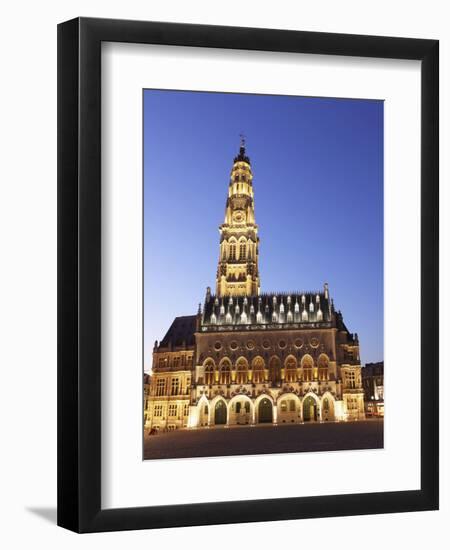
[{"x": 247, "y": 276}]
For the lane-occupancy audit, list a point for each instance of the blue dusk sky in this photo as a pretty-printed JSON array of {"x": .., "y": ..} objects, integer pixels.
[{"x": 318, "y": 183}]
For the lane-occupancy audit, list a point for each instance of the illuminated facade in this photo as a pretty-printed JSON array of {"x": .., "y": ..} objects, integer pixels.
[
  {"x": 237, "y": 272},
  {"x": 373, "y": 384},
  {"x": 249, "y": 357}
]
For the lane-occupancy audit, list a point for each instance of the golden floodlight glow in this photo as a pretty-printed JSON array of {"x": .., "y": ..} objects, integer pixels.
[{"x": 247, "y": 357}]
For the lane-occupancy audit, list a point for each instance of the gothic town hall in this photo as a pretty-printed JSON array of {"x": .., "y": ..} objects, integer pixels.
[{"x": 249, "y": 357}]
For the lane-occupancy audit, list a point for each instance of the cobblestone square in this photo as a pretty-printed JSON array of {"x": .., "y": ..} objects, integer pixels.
[{"x": 250, "y": 440}]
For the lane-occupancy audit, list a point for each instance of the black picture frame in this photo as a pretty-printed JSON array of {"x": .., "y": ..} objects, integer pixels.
[{"x": 79, "y": 274}]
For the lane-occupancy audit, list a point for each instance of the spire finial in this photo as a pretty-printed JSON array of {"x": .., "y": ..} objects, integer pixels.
[{"x": 242, "y": 157}]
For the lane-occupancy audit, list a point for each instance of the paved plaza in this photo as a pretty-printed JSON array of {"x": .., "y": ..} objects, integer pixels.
[{"x": 248, "y": 440}]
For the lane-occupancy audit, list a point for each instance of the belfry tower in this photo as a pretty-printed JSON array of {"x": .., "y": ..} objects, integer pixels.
[{"x": 237, "y": 272}]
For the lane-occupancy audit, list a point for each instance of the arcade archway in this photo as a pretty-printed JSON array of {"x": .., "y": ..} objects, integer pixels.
[
  {"x": 220, "y": 412},
  {"x": 310, "y": 410},
  {"x": 265, "y": 411}
]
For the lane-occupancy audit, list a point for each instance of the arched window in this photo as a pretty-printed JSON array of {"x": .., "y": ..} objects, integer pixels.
[
  {"x": 322, "y": 365},
  {"x": 232, "y": 251},
  {"x": 209, "y": 372},
  {"x": 258, "y": 370},
  {"x": 307, "y": 364},
  {"x": 290, "y": 366},
  {"x": 241, "y": 371},
  {"x": 242, "y": 251},
  {"x": 275, "y": 369},
  {"x": 225, "y": 372}
]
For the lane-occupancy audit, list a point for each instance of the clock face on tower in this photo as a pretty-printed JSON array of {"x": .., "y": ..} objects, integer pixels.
[{"x": 238, "y": 216}]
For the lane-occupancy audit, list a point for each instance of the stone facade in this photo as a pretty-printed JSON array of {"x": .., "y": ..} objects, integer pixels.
[
  {"x": 249, "y": 357},
  {"x": 169, "y": 391},
  {"x": 237, "y": 270},
  {"x": 373, "y": 384}
]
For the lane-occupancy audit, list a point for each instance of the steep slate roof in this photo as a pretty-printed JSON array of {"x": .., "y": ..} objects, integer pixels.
[
  {"x": 216, "y": 309},
  {"x": 373, "y": 369},
  {"x": 180, "y": 333}
]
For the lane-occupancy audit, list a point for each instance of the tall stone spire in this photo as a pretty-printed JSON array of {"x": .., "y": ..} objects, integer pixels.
[{"x": 237, "y": 272}]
